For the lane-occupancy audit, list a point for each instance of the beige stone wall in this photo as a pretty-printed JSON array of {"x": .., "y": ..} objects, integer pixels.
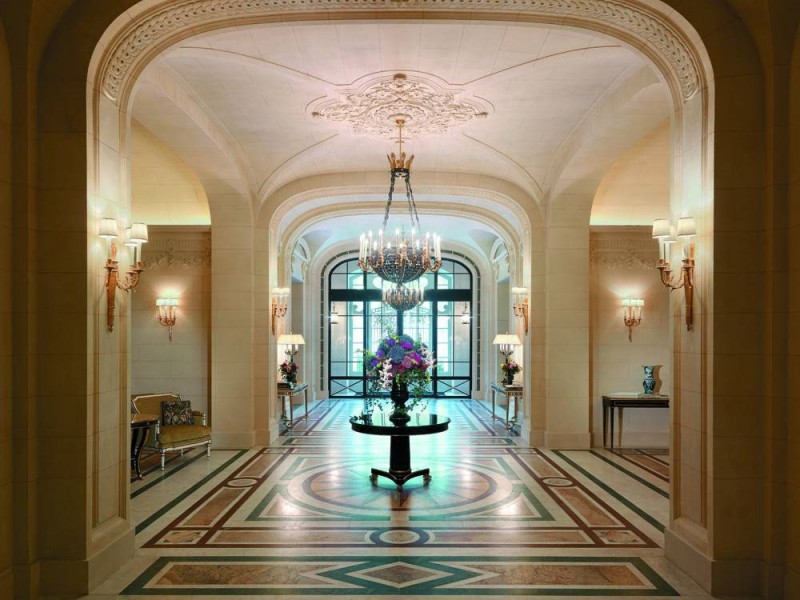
[
  {"x": 165, "y": 190},
  {"x": 622, "y": 262},
  {"x": 6, "y": 491},
  {"x": 178, "y": 264},
  {"x": 635, "y": 190}
]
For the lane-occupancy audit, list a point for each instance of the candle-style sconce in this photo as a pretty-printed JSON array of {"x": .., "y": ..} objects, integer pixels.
[
  {"x": 466, "y": 317},
  {"x": 280, "y": 304},
  {"x": 633, "y": 314},
  {"x": 166, "y": 313},
  {"x": 521, "y": 304},
  {"x": 667, "y": 235},
  {"x": 334, "y": 315},
  {"x": 135, "y": 236}
]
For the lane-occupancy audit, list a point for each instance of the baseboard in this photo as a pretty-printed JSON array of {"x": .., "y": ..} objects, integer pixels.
[
  {"x": 226, "y": 440},
  {"x": 7, "y": 584},
  {"x": 729, "y": 578},
  {"x": 634, "y": 439},
  {"x": 791, "y": 583},
  {"x": 537, "y": 438},
  {"x": 567, "y": 441},
  {"x": 62, "y": 578}
]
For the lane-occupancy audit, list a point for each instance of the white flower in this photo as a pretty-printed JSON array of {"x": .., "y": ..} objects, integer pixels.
[{"x": 386, "y": 374}]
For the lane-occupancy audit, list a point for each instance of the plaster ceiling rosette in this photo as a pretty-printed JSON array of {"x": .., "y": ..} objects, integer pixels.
[{"x": 426, "y": 104}]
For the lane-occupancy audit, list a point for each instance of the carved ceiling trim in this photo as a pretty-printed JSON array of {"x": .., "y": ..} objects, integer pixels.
[
  {"x": 425, "y": 104},
  {"x": 154, "y": 28},
  {"x": 181, "y": 253}
]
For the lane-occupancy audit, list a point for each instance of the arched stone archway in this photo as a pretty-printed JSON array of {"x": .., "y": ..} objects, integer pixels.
[{"x": 704, "y": 503}]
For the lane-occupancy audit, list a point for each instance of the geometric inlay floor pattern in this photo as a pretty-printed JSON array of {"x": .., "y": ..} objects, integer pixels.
[{"x": 301, "y": 518}]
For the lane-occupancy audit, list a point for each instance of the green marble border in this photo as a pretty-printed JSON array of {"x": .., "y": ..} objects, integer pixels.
[
  {"x": 632, "y": 475},
  {"x": 169, "y": 506},
  {"x": 647, "y": 517},
  {"x": 445, "y": 564}
]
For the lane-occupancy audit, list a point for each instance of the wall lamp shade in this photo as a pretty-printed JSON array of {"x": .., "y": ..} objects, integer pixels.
[
  {"x": 632, "y": 314},
  {"x": 667, "y": 235},
  {"x": 134, "y": 237},
  {"x": 521, "y": 305},
  {"x": 506, "y": 342},
  {"x": 108, "y": 229},
  {"x": 280, "y": 304},
  {"x": 166, "y": 313}
]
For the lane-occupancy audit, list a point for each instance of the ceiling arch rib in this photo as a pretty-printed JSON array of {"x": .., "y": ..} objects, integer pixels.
[
  {"x": 615, "y": 123},
  {"x": 189, "y": 126}
]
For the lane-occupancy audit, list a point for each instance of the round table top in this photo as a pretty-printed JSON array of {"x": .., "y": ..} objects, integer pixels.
[{"x": 420, "y": 424}]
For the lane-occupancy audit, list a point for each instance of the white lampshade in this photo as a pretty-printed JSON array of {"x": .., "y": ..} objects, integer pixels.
[
  {"x": 627, "y": 302},
  {"x": 291, "y": 339},
  {"x": 167, "y": 302},
  {"x": 139, "y": 233},
  {"x": 686, "y": 227},
  {"x": 520, "y": 291},
  {"x": 127, "y": 237},
  {"x": 108, "y": 228},
  {"x": 639, "y": 302},
  {"x": 506, "y": 339},
  {"x": 661, "y": 229}
]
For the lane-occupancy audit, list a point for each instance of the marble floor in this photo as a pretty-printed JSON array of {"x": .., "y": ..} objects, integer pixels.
[{"x": 301, "y": 519}]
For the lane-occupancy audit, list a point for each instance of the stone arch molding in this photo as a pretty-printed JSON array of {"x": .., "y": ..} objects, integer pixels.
[{"x": 148, "y": 33}]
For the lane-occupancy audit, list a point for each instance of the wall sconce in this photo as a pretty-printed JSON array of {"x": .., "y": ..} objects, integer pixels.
[
  {"x": 166, "y": 313},
  {"x": 521, "y": 304},
  {"x": 334, "y": 315},
  {"x": 667, "y": 235},
  {"x": 466, "y": 318},
  {"x": 633, "y": 314},
  {"x": 280, "y": 303},
  {"x": 135, "y": 236}
]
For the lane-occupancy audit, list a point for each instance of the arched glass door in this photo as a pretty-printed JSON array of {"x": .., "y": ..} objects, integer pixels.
[{"x": 363, "y": 319}]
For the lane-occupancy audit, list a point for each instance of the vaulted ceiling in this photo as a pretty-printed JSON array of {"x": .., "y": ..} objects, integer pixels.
[{"x": 281, "y": 102}]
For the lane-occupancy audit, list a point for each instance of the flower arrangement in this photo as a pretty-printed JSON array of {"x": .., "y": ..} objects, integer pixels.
[
  {"x": 402, "y": 360},
  {"x": 288, "y": 370},
  {"x": 510, "y": 368}
]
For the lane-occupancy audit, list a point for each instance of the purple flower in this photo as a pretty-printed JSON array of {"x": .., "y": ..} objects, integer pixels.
[
  {"x": 407, "y": 362},
  {"x": 380, "y": 354},
  {"x": 374, "y": 362},
  {"x": 415, "y": 357},
  {"x": 389, "y": 342},
  {"x": 407, "y": 345}
]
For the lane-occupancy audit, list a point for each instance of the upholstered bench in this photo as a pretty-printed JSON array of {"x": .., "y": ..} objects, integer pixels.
[{"x": 173, "y": 437}]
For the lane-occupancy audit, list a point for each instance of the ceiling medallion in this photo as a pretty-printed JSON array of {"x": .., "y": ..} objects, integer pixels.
[{"x": 425, "y": 106}]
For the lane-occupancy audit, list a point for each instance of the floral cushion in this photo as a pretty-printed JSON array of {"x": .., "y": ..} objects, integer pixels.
[{"x": 178, "y": 412}]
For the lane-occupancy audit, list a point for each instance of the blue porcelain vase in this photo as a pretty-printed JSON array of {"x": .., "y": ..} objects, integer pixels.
[{"x": 649, "y": 382}]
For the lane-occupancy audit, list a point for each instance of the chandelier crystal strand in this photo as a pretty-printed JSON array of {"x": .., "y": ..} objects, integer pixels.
[{"x": 402, "y": 258}]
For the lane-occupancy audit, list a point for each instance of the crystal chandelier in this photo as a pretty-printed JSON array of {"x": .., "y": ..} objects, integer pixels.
[
  {"x": 402, "y": 258},
  {"x": 402, "y": 297}
]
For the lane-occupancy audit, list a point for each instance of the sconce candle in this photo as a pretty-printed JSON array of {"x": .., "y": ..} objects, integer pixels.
[
  {"x": 166, "y": 313},
  {"x": 666, "y": 235}
]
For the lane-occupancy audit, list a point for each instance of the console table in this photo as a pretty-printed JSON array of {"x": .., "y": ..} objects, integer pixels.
[
  {"x": 512, "y": 393},
  {"x": 399, "y": 447},
  {"x": 140, "y": 427},
  {"x": 288, "y": 393},
  {"x": 622, "y": 401}
]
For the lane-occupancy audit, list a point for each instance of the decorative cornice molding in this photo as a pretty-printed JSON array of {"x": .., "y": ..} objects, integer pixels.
[
  {"x": 156, "y": 26},
  {"x": 613, "y": 251},
  {"x": 171, "y": 253},
  {"x": 426, "y": 105}
]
